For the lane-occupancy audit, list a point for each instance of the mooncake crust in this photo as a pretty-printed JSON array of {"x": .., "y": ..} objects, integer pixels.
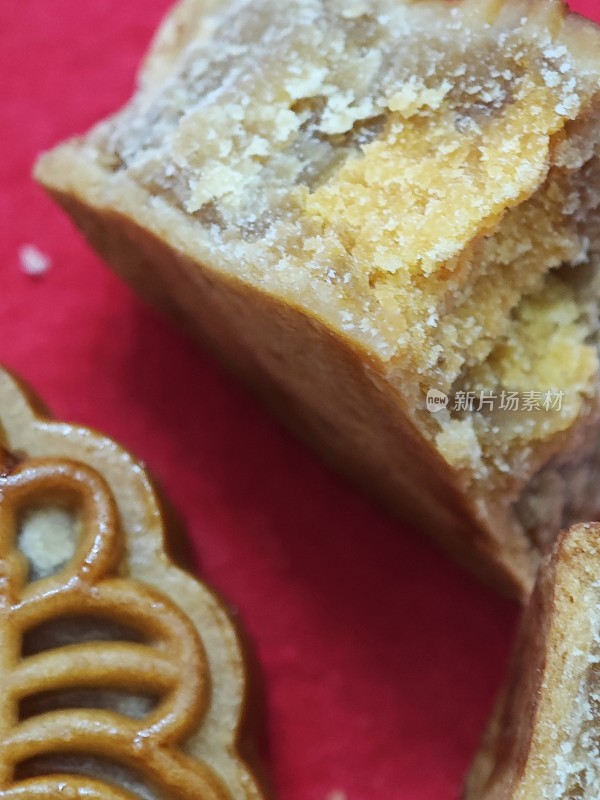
[
  {"x": 531, "y": 748},
  {"x": 127, "y": 577}
]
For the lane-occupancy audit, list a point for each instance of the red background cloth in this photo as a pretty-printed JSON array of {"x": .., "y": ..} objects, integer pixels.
[{"x": 380, "y": 657}]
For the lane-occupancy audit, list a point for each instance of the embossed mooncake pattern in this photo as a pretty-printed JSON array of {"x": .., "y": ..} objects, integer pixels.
[{"x": 114, "y": 686}]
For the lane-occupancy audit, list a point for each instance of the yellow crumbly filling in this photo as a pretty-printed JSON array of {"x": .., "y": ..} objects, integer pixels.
[
  {"x": 452, "y": 318},
  {"x": 546, "y": 363},
  {"x": 408, "y": 203},
  {"x": 547, "y": 349}
]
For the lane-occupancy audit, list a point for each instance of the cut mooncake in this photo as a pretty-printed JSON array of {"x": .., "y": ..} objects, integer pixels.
[
  {"x": 384, "y": 216},
  {"x": 544, "y": 738}
]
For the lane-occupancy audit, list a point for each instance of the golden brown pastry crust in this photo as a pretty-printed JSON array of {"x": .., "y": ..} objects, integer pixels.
[
  {"x": 188, "y": 656},
  {"x": 327, "y": 385}
]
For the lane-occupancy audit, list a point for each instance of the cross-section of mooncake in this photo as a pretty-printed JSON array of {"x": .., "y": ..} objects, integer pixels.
[{"x": 362, "y": 204}]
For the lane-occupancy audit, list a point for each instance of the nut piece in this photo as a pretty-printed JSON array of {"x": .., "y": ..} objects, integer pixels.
[
  {"x": 360, "y": 204},
  {"x": 122, "y": 676},
  {"x": 544, "y": 737}
]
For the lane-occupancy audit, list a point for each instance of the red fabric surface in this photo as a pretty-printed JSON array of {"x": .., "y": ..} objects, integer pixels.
[{"x": 380, "y": 657}]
